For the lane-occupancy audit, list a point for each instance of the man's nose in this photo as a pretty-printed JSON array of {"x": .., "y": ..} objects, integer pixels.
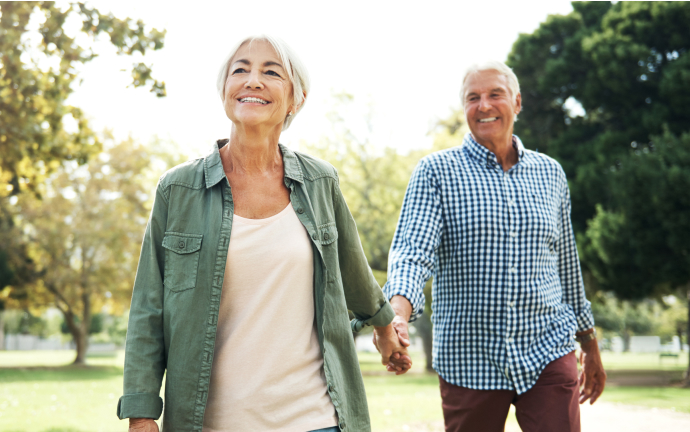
[{"x": 484, "y": 104}]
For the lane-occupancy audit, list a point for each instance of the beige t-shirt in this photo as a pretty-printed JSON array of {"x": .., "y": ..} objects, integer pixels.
[{"x": 267, "y": 370}]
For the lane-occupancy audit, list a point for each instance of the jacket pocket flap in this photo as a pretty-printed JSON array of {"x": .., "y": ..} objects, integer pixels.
[
  {"x": 182, "y": 243},
  {"x": 328, "y": 233}
]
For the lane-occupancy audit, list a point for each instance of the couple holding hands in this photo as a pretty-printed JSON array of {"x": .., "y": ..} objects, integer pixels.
[{"x": 251, "y": 260}]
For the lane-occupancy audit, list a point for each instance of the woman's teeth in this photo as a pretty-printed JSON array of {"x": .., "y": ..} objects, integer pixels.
[{"x": 253, "y": 99}]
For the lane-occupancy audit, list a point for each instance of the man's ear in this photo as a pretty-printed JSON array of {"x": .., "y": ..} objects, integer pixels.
[{"x": 518, "y": 104}]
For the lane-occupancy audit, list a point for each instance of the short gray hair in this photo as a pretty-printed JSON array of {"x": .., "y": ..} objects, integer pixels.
[
  {"x": 297, "y": 72},
  {"x": 494, "y": 65}
]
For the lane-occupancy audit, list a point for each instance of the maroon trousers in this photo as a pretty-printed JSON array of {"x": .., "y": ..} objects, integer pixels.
[{"x": 551, "y": 405}]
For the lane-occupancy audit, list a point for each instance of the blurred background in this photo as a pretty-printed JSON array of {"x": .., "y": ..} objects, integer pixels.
[{"x": 97, "y": 100}]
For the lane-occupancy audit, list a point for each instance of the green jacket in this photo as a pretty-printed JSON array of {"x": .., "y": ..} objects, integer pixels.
[{"x": 174, "y": 311}]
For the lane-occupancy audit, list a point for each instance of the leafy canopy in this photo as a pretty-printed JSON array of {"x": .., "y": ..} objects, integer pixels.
[{"x": 605, "y": 91}]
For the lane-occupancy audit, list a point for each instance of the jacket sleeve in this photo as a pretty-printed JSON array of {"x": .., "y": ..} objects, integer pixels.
[
  {"x": 569, "y": 267},
  {"x": 362, "y": 293},
  {"x": 145, "y": 349},
  {"x": 412, "y": 258}
]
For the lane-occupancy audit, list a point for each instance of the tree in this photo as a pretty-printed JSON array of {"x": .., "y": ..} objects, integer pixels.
[
  {"x": 84, "y": 234},
  {"x": 605, "y": 90},
  {"x": 374, "y": 178},
  {"x": 38, "y": 72}
]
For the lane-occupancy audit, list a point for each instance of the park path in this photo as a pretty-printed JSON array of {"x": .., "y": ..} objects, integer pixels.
[{"x": 608, "y": 417}]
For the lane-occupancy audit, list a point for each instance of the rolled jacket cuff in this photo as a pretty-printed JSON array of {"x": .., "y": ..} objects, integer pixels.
[
  {"x": 383, "y": 317},
  {"x": 140, "y": 405}
]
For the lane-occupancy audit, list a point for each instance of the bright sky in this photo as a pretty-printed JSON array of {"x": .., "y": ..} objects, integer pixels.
[{"x": 404, "y": 58}]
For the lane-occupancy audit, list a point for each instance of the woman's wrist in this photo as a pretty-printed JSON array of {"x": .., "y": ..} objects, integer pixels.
[{"x": 384, "y": 331}]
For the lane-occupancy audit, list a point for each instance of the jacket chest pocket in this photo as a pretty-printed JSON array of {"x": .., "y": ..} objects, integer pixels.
[{"x": 181, "y": 260}]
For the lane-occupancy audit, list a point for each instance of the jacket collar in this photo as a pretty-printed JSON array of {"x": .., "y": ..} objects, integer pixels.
[
  {"x": 483, "y": 155},
  {"x": 214, "y": 172}
]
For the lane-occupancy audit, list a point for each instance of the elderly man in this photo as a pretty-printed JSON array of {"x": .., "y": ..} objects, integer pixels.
[{"x": 490, "y": 221}]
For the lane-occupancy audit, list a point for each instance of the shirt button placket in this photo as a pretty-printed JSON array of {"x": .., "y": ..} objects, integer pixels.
[{"x": 512, "y": 257}]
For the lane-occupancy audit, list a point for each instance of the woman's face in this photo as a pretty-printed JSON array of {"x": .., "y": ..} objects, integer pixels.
[{"x": 258, "y": 91}]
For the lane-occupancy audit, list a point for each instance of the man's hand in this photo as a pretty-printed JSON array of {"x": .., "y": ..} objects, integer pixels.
[
  {"x": 592, "y": 376},
  {"x": 142, "y": 425},
  {"x": 393, "y": 354}
]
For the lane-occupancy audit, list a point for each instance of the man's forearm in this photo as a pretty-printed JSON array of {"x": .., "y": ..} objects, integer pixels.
[{"x": 402, "y": 307}]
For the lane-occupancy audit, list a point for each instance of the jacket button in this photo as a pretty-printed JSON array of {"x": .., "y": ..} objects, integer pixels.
[
  {"x": 342, "y": 424},
  {"x": 300, "y": 210},
  {"x": 181, "y": 245},
  {"x": 326, "y": 236},
  {"x": 314, "y": 236}
]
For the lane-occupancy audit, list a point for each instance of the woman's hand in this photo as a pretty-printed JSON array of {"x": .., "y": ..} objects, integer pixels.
[
  {"x": 393, "y": 354},
  {"x": 142, "y": 425}
]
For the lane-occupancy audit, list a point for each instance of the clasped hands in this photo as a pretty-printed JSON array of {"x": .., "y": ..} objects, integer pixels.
[{"x": 392, "y": 342}]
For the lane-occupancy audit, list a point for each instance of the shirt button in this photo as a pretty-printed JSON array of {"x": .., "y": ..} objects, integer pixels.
[
  {"x": 300, "y": 210},
  {"x": 513, "y": 234},
  {"x": 507, "y": 372},
  {"x": 342, "y": 424},
  {"x": 511, "y": 304},
  {"x": 326, "y": 236},
  {"x": 511, "y": 202},
  {"x": 181, "y": 245},
  {"x": 513, "y": 270},
  {"x": 314, "y": 236},
  {"x": 509, "y": 340}
]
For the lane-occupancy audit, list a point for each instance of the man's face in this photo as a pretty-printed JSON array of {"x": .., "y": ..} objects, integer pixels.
[{"x": 490, "y": 108}]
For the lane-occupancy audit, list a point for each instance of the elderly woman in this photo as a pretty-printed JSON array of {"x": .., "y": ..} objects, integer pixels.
[{"x": 249, "y": 264}]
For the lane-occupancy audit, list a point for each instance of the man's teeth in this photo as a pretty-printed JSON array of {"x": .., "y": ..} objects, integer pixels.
[
  {"x": 253, "y": 99},
  {"x": 487, "y": 120}
]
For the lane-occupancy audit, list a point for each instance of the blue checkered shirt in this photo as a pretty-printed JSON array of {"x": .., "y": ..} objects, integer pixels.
[{"x": 507, "y": 293}]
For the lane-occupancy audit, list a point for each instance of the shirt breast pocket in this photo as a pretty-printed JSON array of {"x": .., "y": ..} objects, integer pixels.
[
  {"x": 327, "y": 233},
  {"x": 542, "y": 219},
  {"x": 181, "y": 260}
]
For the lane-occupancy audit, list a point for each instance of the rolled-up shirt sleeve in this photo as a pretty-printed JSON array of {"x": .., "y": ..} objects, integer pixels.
[
  {"x": 145, "y": 348},
  {"x": 569, "y": 267},
  {"x": 411, "y": 261}
]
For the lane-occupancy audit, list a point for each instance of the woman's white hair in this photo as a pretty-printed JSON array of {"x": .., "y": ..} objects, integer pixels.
[
  {"x": 297, "y": 73},
  {"x": 500, "y": 67}
]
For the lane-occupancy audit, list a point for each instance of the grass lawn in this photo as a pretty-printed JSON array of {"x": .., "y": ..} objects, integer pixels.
[
  {"x": 675, "y": 399},
  {"x": 39, "y": 393},
  {"x": 630, "y": 361}
]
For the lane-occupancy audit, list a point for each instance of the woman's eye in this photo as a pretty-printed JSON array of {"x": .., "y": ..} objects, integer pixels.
[
  {"x": 274, "y": 73},
  {"x": 239, "y": 70}
]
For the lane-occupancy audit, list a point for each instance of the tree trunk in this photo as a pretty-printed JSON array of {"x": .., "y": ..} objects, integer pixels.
[
  {"x": 626, "y": 340},
  {"x": 2, "y": 330},
  {"x": 425, "y": 331},
  {"x": 81, "y": 340},
  {"x": 687, "y": 338},
  {"x": 80, "y": 335}
]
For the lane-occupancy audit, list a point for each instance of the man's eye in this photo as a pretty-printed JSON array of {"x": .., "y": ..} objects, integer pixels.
[{"x": 239, "y": 70}]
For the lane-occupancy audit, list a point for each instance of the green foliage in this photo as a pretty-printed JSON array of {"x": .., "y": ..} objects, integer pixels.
[
  {"x": 39, "y": 65},
  {"x": 38, "y": 74},
  {"x": 605, "y": 91}
]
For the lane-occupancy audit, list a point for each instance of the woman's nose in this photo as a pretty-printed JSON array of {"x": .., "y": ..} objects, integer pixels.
[{"x": 254, "y": 81}]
